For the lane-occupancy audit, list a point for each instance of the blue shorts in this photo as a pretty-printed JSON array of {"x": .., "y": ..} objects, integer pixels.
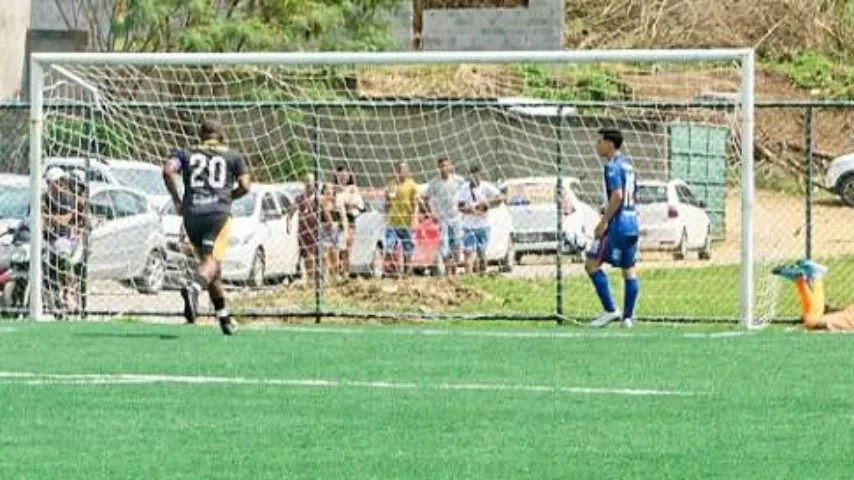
[
  {"x": 451, "y": 237},
  {"x": 476, "y": 240},
  {"x": 399, "y": 235},
  {"x": 620, "y": 252}
]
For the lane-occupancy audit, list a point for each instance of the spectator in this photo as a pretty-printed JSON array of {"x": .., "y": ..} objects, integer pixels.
[
  {"x": 475, "y": 200},
  {"x": 59, "y": 209},
  {"x": 334, "y": 222},
  {"x": 352, "y": 203},
  {"x": 401, "y": 217},
  {"x": 442, "y": 197},
  {"x": 307, "y": 230}
]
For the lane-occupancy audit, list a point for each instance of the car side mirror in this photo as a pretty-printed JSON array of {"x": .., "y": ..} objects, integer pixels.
[{"x": 701, "y": 204}]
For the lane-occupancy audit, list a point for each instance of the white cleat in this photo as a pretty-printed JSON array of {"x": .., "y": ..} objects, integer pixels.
[
  {"x": 605, "y": 319},
  {"x": 628, "y": 323}
]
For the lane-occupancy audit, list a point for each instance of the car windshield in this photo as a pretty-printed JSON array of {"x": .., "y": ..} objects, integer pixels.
[
  {"x": 652, "y": 194},
  {"x": 145, "y": 180},
  {"x": 539, "y": 193},
  {"x": 14, "y": 201}
]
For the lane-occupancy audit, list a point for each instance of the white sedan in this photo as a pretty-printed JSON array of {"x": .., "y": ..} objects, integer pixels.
[
  {"x": 367, "y": 257},
  {"x": 673, "y": 219},
  {"x": 531, "y": 201},
  {"x": 263, "y": 242}
]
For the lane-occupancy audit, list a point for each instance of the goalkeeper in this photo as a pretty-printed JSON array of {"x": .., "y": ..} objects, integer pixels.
[{"x": 809, "y": 287}]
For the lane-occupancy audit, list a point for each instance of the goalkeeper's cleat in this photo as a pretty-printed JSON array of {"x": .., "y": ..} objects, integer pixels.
[
  {"x": 605, "y": 318},
  {"x": 790, "y": 272},
  {"x": 812, "y": 269},
  {"x": 191, "y": 303},
  {"x": 226, "y": 325}
]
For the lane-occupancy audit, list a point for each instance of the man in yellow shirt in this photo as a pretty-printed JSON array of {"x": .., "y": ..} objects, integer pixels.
[
  {"x": 809, "y": 287},
  {"x": 401, "y": 216}
]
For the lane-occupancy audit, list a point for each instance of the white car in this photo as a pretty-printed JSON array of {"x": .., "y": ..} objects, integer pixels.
[
  {"x": 368, "y": 243},
  {"x": 144, "y": 177},
  {"x": 263, "y": 242},
  {"x": 126, "y": 242},
  {"x": 840, "y": 178},
  {"x": 532, "y": 205},
  {"x": 671, "y": 218}
]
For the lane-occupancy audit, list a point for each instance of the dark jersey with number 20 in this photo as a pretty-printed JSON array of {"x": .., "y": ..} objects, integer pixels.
[{"x": 209, "y": 172}]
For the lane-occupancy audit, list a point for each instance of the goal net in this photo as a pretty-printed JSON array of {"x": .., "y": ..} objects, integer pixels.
[{"x": 528, "y": 123}]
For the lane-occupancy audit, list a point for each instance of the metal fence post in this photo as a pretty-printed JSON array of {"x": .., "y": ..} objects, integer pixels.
[
  {"x": 808, "y": 158},
  {"x": 559, "y": 225},
  {"x": 318, "y": 250},
  {"x": 90, "y": 130}
]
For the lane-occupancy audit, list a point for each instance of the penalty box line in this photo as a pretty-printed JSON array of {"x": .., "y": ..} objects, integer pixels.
[{"x": 32, "y": 378}]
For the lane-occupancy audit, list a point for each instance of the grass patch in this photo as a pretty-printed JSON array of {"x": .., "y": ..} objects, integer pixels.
[
  {"x": 759, "y": 407},
  {"x": 704, "y": 292}
]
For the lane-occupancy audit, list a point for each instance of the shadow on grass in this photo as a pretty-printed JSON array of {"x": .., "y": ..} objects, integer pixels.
[{"x": 129, "y": 336}]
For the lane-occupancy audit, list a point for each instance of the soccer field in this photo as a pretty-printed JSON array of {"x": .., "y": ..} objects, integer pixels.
[{"x": 126, "y": 400}]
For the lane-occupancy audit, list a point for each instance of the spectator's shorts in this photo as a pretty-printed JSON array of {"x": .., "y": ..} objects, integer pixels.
[
  {"x": 452, "y": 238},
  {"x": 331, "y": 237},
  {"x": 620, "y": 252},
  {"x": 401, "y": 236},
  {"x": 208, "y": 234},
  {"x": 476, "y": 240}
]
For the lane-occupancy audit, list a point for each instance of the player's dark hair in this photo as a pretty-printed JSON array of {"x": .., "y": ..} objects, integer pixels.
[
  {"x": 475, "y": 169},
  {"x": 442, "y": 160},
  {"x": 211, "y": 130},
  {"x": 613, "y": 135}
]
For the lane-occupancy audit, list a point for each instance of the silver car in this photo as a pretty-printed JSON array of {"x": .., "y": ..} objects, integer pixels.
[
  {"x": 126, "y": 241},
  {"x": 532, "y": 205}
]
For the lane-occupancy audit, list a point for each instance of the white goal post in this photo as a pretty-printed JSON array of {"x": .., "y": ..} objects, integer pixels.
[{"x": 42, "y": 63}]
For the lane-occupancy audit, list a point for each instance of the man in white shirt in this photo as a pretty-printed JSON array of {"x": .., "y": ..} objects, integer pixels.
[
  {"x": 475, "y": 199},
  {"x": 442, "y": 196}
]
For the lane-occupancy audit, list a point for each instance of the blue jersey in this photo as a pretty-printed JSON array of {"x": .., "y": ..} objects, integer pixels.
[{"x": 620, "y": 175}]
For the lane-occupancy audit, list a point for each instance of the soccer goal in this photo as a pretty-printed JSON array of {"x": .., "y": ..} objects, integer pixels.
[{"x": 525, "y": 123}]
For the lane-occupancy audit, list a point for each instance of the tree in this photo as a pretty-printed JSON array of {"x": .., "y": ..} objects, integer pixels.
[
  {"x": 288, "y": 25},
  {"x": 232, "y": 25}
]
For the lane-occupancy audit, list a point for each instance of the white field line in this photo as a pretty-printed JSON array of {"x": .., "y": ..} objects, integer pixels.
[
  {"x": 484, "y": 333},
  {"x": 28, "y": 378},
  {"x": 9, "y": 329}
]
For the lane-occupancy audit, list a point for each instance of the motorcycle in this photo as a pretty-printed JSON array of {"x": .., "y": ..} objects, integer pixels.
[{"x": 63, "y": 263}]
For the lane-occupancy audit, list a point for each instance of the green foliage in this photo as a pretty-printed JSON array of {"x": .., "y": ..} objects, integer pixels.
[
  {"x": 574, "y": 83},
  {"x": 283, "y": 25},
  {"x": 81, "y": 137},
  {"x": 824, "y": 75}
]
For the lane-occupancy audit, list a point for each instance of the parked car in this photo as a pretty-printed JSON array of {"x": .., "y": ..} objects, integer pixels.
[
  {"x": 126, "y": 241},
  {"x": 263, "y": 242},
  {"x": 673, "y": 219},
  {"x": 14, "y": 208},
  {"x": 141, "y": 176},
  {"x": 367, "y": 258},
  {"x": 840, "y": 178},
  {"x": 531, "y": 201}
]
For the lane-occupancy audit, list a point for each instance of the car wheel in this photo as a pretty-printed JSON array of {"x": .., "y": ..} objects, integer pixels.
[
  {"x": 256, "y": 272},
  {"x": 845, "y": 188},
  {"x": 509, "y": 260},
  {"x": 706, "y": 252},
  {"x": 682, "y": 249},
  {"x": 153, "y": 275}
]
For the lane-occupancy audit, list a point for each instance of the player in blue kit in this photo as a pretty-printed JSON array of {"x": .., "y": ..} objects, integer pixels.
[{"x": 617, "y": 232}]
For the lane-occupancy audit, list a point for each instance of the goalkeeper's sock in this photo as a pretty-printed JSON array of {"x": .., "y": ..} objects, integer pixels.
[
  {"x": 603, "y": 290},
  {"x": 631, "y": 290}
]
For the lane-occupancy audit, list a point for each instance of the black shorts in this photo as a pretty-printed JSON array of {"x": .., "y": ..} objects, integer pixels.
[{"x": 208, "y": 234}]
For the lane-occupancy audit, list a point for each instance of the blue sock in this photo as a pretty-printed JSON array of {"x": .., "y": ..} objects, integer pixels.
[
  {"x": 632, "y": 288},
  {"x": 603, "y": 290}
]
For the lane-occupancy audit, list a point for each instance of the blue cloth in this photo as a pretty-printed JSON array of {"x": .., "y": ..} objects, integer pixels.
[
  {"x": 631, "y": 290},
  {"x": 452, "y": 238},
  {"x": 603, "y": 290},
  {"x": 619, "y": 174},
  {"x": 401, "y": 236},
  {"x": 620, "y": 252},
  {"x": 476, "y": 239}
]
